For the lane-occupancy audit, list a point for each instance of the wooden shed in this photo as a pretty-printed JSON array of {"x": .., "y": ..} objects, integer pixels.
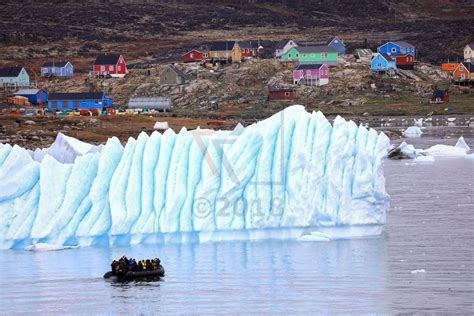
[
  {"x": 276, "y": 93},
  {"x": 172, "y": 75}
]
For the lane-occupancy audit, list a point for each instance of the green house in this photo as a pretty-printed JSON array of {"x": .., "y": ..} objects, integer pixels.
[{"x": 311, "y": 55}]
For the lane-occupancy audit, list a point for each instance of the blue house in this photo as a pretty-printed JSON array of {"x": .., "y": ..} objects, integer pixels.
[
  {"x": 78, "y": 100},
  {"x": 397, "y": 48},
  {"x": 337, "y": 44},
  {"x": 33, "y": 95},
  {"x": 382, "y": 63},
  {"x": 57, "y": 69}
]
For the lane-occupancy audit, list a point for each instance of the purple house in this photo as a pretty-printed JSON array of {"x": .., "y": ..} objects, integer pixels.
[{"x": 311, "y": 74}]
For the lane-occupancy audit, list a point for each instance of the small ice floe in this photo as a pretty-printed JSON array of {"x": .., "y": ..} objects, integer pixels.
[
  {"x": 424, "y": 159},
  {"x": 412, "y": 131},
  {"x": 418, "y": 271},
  {"x": 451, "y": 119},
  {"x": 315, "y": 236},
  {"x": 161, "y": 126},
  {"x": 48, "y": 247},
  {"x": 470, "y": 157},
  {"x": 445, "y": 151},
  {"x": 461, "y": 143}
]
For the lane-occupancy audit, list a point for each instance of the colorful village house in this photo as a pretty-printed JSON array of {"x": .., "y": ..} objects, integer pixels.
[
  {"x": 464, "y": 72},
  {"x": 221, "y": 51},
  {"x": 244, "y": 50},
  {"x": 14, "y": 76},
  {"x": 78, "y": 101},
  {"x": 33, "y": 95},
  {"x": 337, "y": 44},
  {"x": 469, "y": 52},
  {"x": 439, "y": 96},
  {"x": 403, "y": 52},
  {"x": 284, "y": 46},
  {"x": 311, "y": 55},
  {"x": 195, "y": 55},
  {"x": 57, "y": 69},
  {"x": 383, "y": 63},
  {"x": 276, "y": 93},
  {"x": 311, "y": 74},
  {"x": 110, "y": 65},
  {"x": 172, "y": 75}
]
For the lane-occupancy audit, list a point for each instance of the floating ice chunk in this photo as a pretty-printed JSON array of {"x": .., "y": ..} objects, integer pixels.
[
  {"x": 404, "y": 151},
  {"x": 418, "y": 271},
  {"x": 461, "y": 143},
  {"x": 445, "y": 151},
  {"x": 48, "y": 247},
  {"x": 315, "y": 236},
  {"x": 424, "y": 159},
  {"x": 418, "y": 122},
  {"x": 412, "y": 131}
]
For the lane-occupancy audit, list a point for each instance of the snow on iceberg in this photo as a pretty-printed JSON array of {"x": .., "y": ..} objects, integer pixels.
[
  {"x": 279, "y": 178},
  {"x": 461, "y": 143}
]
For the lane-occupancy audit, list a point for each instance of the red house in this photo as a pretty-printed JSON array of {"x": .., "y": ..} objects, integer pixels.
[
  {"x": 110, "y": 65},
  {"x": 276, "y": 93},
  {"x": 439, "y": 96},
  {"x": 406, "y": 61},
  {"x": 194, "y": 55}
]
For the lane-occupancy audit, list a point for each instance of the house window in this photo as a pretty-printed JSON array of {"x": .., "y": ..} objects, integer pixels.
[
  {"x": 119, "y": 68},
  {"x": 111, "y": 68},
  {"x": 102, "y": 68},
  {"x": 312, "y": 55},
  {"x": 191, "y": 55},
  {"x": 379, "y": 65},
  {"x": 324, "y": 55},
  {"x": 304, "y": 55},
  {"x": 287, "y": 94},
  {"x": 297, "y": 55},
  {"x": 394, "y": 50}
]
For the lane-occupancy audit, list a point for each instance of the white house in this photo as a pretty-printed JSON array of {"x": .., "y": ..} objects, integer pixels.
[
  {"x": 284, "y": 46},
  {"x": 469, "y": 52},
  {"x": 14, "y": 76}
]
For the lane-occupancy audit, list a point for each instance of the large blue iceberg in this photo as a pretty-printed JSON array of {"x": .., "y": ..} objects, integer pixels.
[{"x": 289, "y": 175}]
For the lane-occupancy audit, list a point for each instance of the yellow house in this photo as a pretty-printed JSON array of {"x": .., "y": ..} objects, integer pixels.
[
  {"x": 221, "y": 50},
  {"x": 236, "y": 53}
]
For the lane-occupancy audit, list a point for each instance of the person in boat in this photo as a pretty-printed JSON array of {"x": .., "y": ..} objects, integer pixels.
[
  {"x": 149, "y": 265},
  {"x": 114, "y": 265},
  {"x": 133, "y": 264}
]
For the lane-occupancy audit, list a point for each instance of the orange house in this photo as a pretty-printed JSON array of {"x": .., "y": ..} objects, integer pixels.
[{"x": 464, "y": 72}]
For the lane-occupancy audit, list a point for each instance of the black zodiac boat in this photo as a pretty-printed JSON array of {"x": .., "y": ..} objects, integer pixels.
[{"x": 160, "y": 272}]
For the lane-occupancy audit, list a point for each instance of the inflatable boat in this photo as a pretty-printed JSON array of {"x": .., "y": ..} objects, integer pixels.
[{"x": 160, "y": 272}]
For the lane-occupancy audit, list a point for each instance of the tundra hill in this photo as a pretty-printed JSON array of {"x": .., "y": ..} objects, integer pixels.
[{"x": 160, "y": 30}]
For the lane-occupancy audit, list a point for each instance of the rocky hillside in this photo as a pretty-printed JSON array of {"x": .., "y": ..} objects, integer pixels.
[{"x": 40, "y": 29}]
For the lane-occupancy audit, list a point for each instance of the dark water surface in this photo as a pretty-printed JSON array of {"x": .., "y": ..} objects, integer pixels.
[{"x": 430, "y": 227}]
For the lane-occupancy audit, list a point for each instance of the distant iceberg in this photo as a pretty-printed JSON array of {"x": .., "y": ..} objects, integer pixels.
[{"x": 283, "y": 177}]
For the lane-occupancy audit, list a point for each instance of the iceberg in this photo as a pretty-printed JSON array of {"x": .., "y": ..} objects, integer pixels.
[
  {"x": 412, "y": 131},
  {"x": 280, "y": 178}
]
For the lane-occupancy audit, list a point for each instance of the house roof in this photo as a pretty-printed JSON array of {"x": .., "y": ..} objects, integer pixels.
[
  {"x": 404, "y": 44},
  {"x": 107, "y": 59},
  {"x": 195, "y": 50},
  {"x": 471, "y": 45},
  {"x": 469, "y": 66},
  {"x": 386, "y": 56},
  {"x": 315, "y": 49},
  {"x": 362, "y": 52},
  {"x": 76, "y": 96},
  {"x": 10, "y": 71},
  {"x": 438, "y": 94},
  {"x": 334, "y": 38},
  {"x": 27, "y": 92},
  {"x": 280, "y": 89},
  {"x": 308, "y": 66},
  {"x": 177, "y": 71},
  {"x": 248, "y": 44},
  {"x": 281, "y": 44},
  {"x": 222, "y": 45},
  {"x": 59, "y": 64}
]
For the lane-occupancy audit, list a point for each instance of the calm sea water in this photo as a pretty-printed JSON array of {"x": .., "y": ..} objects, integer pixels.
[{"x": 430, "y": 226}]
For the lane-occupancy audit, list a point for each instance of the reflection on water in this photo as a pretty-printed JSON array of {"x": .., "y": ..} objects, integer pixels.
[{"x": 429, "y": 227}]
